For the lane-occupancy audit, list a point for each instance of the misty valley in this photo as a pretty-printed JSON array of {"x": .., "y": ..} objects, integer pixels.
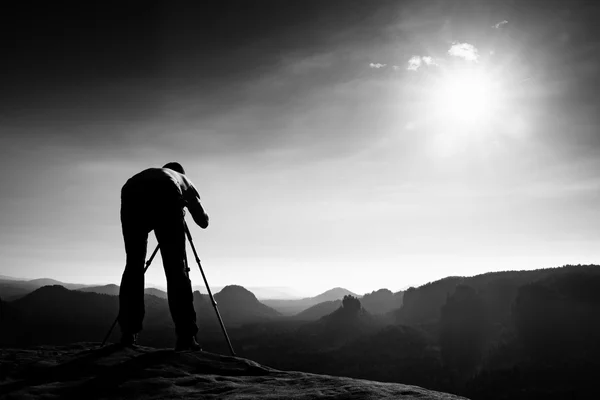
[{"x": 512, "y": 334}]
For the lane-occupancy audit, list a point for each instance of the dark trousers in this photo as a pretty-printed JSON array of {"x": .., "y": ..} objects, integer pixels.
[{"x": 164, "y": 215}]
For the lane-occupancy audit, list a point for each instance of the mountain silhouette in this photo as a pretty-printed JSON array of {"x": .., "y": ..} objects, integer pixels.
[
  {"x": 47, "y": 282},
  {"x": 156, "y": 292},
  {"x": 10, "y": 292},
  {"x": 422, "y": 305},
  {"x": 318, "y": 311},
  {"x": 113, "y": 290},
  {"x": 110, "y": 289},
  {"x": 56, "y": 315},
  {"x": 381, "y": 301},
  {"x": 12, "y": 288},
  {"x": 238, "y": 305},
  {"x": 274, "y": 292},
  {"x": 337, "y": 293},
  {"x": 345, "y": 324},
  {"x": 293, "y": 307}
]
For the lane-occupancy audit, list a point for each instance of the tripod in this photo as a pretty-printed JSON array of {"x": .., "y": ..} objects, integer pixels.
[{"x": 212, "y": 299}]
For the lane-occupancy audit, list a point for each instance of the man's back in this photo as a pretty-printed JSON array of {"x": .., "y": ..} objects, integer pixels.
[
  {"x": 155, "y": 184},
  {"x": 153, "y": 178}
]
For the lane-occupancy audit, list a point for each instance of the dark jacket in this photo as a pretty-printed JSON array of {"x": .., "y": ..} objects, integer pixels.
[{"x": 155, "y": 183}]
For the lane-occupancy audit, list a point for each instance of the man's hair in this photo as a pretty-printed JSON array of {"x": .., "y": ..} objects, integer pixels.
[{"x": 175, "y": 166}]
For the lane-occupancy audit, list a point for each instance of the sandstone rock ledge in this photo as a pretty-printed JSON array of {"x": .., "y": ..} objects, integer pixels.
[{"x": 83, "y": 371}]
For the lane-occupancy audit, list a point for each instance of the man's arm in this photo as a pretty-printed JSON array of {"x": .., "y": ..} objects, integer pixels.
[{"x": 200, "y": 216}]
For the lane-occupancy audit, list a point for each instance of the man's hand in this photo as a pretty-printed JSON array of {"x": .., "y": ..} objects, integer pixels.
[{"x": 202, "y": 223}]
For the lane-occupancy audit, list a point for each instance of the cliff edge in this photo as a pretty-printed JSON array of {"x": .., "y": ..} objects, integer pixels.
[{"x": 84, "y": 371}]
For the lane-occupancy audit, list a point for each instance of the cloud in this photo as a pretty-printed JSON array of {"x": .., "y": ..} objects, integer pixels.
[
  {"x": 416, "y": 62},
  {"x": 500, "y": 24},
  {"x": 428, "y": 60},
  {"x": 464, "y": 50},
  {"x": 397, "y": 68},
  {"x": 377, "y": 65}
]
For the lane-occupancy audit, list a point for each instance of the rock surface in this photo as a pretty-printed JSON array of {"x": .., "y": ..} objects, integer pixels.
[{"x": 85, "y": 371}]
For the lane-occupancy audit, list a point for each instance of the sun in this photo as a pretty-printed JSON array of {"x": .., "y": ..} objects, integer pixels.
[
  {"x": 464, "y": 96},
  {"x": 466, "y": 108}
]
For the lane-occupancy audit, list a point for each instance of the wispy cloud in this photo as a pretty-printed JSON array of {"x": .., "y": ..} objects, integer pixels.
[
  {"x": 377, "y": 65},
  {"x": 500, "y": 24},
  {"x": 464, "y": 50}
]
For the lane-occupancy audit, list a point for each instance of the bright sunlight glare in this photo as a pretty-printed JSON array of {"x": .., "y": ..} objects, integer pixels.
[
  {"x": 467, "y": 109},
  {"x": 465, "y": 96}
]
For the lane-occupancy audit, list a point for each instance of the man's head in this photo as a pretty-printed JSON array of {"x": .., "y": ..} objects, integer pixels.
[{"x": 175, "y": 166}]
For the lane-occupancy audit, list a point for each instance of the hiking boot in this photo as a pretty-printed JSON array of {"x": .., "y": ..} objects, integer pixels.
[
  {"x": 129, "y": 339},
  {"x": 187, "y": 344}
]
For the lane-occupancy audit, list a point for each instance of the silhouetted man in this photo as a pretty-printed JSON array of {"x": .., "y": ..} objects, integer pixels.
[{"x": 155, "y": 199}]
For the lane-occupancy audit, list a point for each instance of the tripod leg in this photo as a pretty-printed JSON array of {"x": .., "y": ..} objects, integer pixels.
[
  {"x": 212, "y": 299},
  {"x": 109, "y": 331},
  {"x": 117, "y": 319}
]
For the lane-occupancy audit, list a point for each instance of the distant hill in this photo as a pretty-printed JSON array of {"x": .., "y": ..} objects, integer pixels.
[
  {"x": 318, "y": 311},
  {"x": 337, "y": 293},
  {"x": 348, "y": 322},
  {"x": 38, "y": 283},
  {"x": 56, "y": 315},
  {"x": 261, "y": 292},
  {"x": 12, "y": 289},
  {"x": 10, "y": 292},
  {"x": 422, "y": 305},
  {"x": 156, "y": 292},
  {"x": 382, "y": 301},
  {"x": 274, "y": 292},
  {"x": 238, "y": 305},
  {"x": 113, "y": 290},
  {"x": 45, "y": 282},
  {"x": 293, "y": 307},
  {"x": 202, "y": 289}
]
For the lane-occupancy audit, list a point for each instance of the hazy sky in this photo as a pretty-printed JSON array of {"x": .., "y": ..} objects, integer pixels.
[{"x": 333, "y": 143}]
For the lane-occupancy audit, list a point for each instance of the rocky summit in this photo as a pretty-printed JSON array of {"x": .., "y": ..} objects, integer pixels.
[{"x": 84, "y": 370}]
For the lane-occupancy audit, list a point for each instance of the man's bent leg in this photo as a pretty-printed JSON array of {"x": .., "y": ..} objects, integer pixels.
[
  {"x": 171, "y": 239},
  {"x": 131, "y": 294}
]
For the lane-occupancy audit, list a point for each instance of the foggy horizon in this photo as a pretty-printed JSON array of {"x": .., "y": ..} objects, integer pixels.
[
  {"x": 362, "y": 145},
  {"x": 287, "y": 292}
]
